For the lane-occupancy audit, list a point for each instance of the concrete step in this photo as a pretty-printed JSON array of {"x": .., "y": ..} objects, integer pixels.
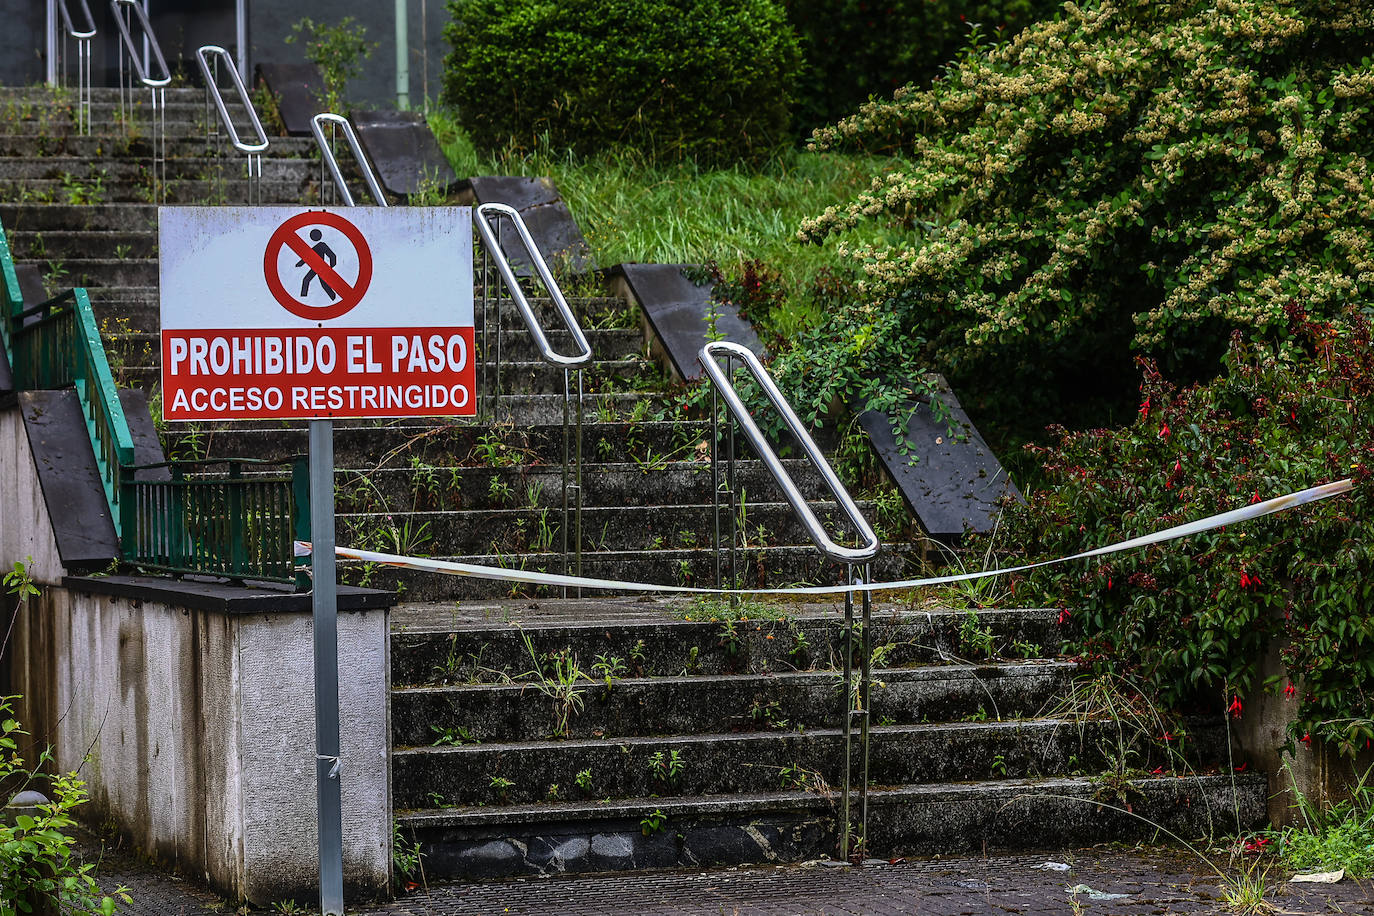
[
  {"x": 96, "y": 273},
  {"x": 107, "y": 144},
  {"x": 189, "y": 191},
  {"x": 65, "y": 244},
  {"x": 99, "y": 94},
  {"x": 761, "y": 567},
  {"x": 429, "y": 487},
  {"x": 364, "y": 444},
  {"x": 114, "y": 171},
  {"x": 436, "y": 644},
  {"x": 612, "y": 706},
  {"x": 605, "y": 529},
  {"x": 35, "y": 217},
  {"x": 794, "y": 825}
]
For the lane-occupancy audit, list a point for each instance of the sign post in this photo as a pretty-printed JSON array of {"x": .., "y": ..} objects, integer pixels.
[{"x": 271, "y": 313}]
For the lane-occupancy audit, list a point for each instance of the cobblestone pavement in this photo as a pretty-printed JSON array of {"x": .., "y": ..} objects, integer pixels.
[{"x": 1155, "y": 881}]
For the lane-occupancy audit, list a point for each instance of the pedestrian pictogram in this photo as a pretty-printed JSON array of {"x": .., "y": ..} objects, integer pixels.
[{"x": 319, "y": 271}]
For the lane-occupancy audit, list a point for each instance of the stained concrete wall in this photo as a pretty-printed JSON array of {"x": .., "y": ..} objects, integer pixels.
[{"x": 194, "y": 727}]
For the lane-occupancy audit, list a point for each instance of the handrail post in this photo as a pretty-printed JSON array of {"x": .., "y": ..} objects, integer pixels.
[
  {"x": 210, "y": 71},
  {"x": 327, "y": 158},
  {"x": 854, "y": 706},
  {"x": 83, "y": 60},
  {"x": 489, "y": 220},
  {"x": 157, "y": 85}
]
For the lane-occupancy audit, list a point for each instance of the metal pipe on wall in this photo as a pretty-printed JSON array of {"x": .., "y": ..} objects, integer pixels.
[
  {"x": 50, "y": 44},
  {"x": 241, "y": 36},
  {"x": 402, "y": 55}
]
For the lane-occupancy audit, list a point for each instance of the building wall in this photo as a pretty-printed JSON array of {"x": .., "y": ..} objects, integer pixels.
[{"x": 21, "y": 42}]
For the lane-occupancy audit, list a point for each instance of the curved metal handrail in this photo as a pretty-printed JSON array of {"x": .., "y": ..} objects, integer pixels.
[
  {"x": 62, "y": 11},
  {"x": 546, "y": 351},
  {"x": 156, "y": 49},
  {"x": 327, "y": 157},
  {"x": 819, "y": 536},
  {"x": 210, "y": 72}
]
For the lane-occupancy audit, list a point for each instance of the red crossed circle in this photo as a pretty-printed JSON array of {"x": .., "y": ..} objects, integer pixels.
[{"x": 349, "y": 294}]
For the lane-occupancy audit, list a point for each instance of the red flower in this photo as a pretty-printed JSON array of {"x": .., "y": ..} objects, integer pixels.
[
  {"x": 1234, "y": 708},
  {"x": 1157, "y": 771},
  {"x": 1290, "y": 690},
  {"x": 1242, "y": 767},
  {"x": 1164, "y": 431},
  {"x": 1064, "y": 614},
  {"x": 1167, "y": 737},
  {"x": 1307, "y": 740},
  {"x": 1256, "y": 498}
]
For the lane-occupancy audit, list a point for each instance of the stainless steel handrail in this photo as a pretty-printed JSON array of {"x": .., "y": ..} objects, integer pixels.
[
  {"x": 583, "y": 356},
  {"x": 489, "y": 218},
  {"x": 856, "y": 703},
  {"x": 83, "y": 61},
  {"x": 209, "y": 69},
  {"x": 814, "y": 529},
  {"x": 156, "y": 85},
  {"x": 327, "y": 158}
]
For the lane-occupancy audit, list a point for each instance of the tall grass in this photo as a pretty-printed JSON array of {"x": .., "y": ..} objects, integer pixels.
[{"x": 630, "y": 209}]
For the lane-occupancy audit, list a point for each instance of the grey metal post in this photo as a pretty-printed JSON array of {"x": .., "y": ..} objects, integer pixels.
[
  {"x": 324, "y": 604},
  {"x": 50, "y": 43}
]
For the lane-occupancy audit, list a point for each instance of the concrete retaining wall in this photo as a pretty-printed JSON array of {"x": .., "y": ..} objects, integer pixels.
[{"x": 189, "y": 709}]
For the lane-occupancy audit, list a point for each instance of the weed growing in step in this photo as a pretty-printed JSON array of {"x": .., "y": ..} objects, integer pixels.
[
  {"x": 653, "y": 822},
  {"x": 584, "y": 780},
  {"x": 556, "y": 676},
  {"x": 452, "y": 736},
  {"x": 975, "y": 638},
  {"x": 407, "y": 860},
  {"x": 666, "y": 766},
  {"x": 501, "y": 785}
]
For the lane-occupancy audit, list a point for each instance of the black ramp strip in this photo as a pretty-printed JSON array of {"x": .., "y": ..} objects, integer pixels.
[
  {"x": 678, "y": 310},
  {"x": 956, "y": 481},
  {"x": 547, "y": 217},
  {"x": 147, "y": 447},
  {"x": 299, "y": 91},
  {"x": 71, "y": 484},
  {"x": 404, "y": 151}
]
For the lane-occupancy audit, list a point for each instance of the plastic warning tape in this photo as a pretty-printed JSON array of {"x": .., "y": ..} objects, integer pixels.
[{"x": 500, "y": 574}]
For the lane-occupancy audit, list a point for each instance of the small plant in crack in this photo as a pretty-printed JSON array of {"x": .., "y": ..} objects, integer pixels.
[{"x": 556, "y": 676}]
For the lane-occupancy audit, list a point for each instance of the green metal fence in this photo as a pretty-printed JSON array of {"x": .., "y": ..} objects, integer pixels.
[
  {"x": 57, "y": 344},
  {"x": 237, "y": 526},
  {"x": 182, "y": 521}
]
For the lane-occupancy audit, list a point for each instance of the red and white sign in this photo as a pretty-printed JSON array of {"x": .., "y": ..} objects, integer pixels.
[{"x": 273, "y": 313}]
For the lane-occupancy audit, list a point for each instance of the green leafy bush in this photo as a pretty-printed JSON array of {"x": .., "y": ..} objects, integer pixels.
[
  {"x": 1194, "y": 618},
  {"x": 37, "y": 863},
  {"x": 1134, "y": 176},
  {"x": 337, "y": 50},
  {"x": 711, "y": 81},
  {"x": 857, "y": 49}
]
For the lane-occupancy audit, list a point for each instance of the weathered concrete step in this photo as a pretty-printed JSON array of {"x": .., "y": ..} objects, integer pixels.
[
  {"x": 96, "y": 273},
  {"x": 604, "y": 527},
  {"x": 191, "y": 191},
  {"x": 113, "y": 171},
  {"x": 795, "y": 825},
  {"x": 101, "y": 94},
  {"x": 770, "y": 567},
  {"x": 429, "y": 487},
  {"x": 364, "y": 444},
  {"x": 749, "y": 762},
  {"x": 65, "y": 244},
  {"x": 36, "y": 217},
  {"x": 114, "y": 145},
  {"x": 692, "y": 704},
  {"x": 485, "y": 641}
]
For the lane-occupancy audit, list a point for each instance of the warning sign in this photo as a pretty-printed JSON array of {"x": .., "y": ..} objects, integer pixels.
[{"x": 272, "y": 313}]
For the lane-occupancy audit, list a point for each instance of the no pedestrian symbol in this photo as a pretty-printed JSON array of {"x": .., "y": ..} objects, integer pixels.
[{"x": 317, "y": 265}]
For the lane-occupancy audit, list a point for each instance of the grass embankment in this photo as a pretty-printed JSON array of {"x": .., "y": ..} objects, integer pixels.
[{"x": 633, "y": 210}]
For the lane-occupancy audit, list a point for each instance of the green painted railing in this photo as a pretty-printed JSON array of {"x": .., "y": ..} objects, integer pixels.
[
  {"x": 56, "y": 344},
  {"x": 237, "y": 527}
]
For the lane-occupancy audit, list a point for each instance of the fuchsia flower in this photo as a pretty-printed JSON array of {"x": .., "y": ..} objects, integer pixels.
[
  {"x": 1234, "y": 709},
  {"x": 1064, "y": 614},
  {"x": 1307, "y": 740},
  {"x": 1290, "y": 690},
  {"x": 1164, "y": 431}
]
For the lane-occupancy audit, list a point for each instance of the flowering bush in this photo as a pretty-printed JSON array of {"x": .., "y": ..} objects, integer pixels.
[
  {"x": 1134, "y": 175},
  {"x": 1194, "y": 618}
]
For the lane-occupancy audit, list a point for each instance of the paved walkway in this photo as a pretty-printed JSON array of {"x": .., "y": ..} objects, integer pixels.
[{"x": 1156, "y": 881}]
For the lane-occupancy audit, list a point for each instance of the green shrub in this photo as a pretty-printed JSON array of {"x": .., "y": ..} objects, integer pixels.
[
  {"x": 710, "y": 80},
  {"x": 1194, "y": 618},
  {"x": 337, "y": 50},
  {"x": 1134, "y": 176},
  {"x": 857, "y": 49}
]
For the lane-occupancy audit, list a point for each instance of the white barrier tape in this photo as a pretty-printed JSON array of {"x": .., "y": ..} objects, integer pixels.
[{"x": 472, "y": 570}]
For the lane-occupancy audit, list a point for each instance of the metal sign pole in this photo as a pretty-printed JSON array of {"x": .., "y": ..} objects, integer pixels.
[
  {"x": 50, "y": 42},
  {"x": 324, "y": 604}
]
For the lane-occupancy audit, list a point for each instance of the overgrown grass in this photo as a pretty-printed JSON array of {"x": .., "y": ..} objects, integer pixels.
[
  {"x": 633, "y": 210},
  {"x": 1340, "y": 836}
]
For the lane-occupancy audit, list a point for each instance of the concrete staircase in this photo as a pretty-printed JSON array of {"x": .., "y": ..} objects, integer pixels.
[{"x": 537, "y": 734}]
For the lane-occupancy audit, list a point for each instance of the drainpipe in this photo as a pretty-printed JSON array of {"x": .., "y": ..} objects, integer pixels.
[
  {"x": 402, "y": 57},
  {"x": 50, "y": 43}
]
